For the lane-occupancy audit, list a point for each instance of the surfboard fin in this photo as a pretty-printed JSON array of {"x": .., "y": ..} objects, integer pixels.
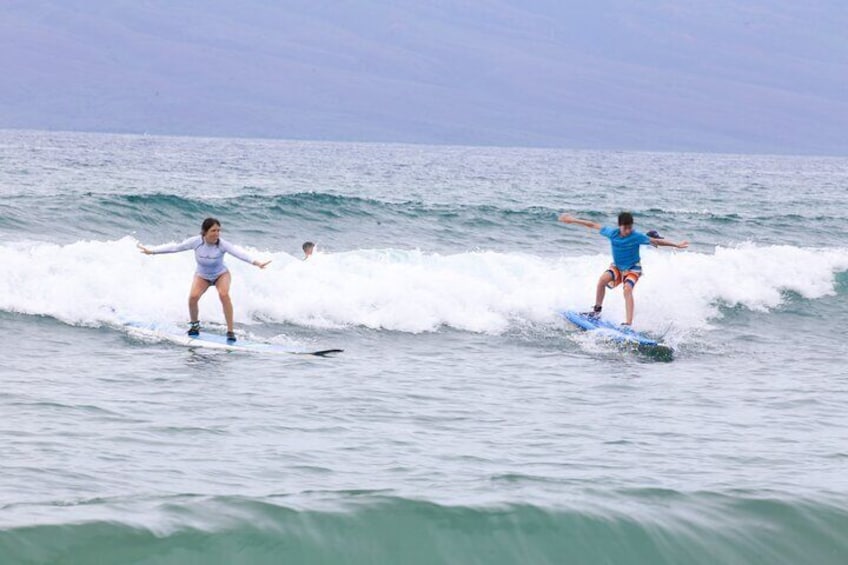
[{"x": 325, "y": 352}]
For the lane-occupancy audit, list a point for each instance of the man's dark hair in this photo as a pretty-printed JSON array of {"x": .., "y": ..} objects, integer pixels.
[{"x": 625, "y": 219}]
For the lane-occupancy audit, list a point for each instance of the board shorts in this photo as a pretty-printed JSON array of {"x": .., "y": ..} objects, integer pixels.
[{"x": 629, "y": 276}]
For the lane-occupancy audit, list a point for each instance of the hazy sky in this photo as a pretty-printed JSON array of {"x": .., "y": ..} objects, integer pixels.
[{"x": 721, "y": 75}]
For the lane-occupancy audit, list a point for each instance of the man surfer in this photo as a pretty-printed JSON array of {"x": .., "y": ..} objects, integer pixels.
[{"x": 626, "y": 267}]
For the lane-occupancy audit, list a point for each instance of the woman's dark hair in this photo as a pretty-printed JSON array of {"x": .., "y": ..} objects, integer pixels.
[{"x": 208, "y": 223}]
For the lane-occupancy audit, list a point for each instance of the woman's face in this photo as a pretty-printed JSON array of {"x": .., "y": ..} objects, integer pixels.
[{"x": 212, "y": 234}]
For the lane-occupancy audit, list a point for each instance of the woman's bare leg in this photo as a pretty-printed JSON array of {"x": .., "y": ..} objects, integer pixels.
[
  {"x": 223, "y": 287},
  {"x": 198, "y": 287}
]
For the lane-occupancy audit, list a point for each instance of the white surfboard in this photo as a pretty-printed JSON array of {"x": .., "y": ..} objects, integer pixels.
[{"x": 175, "y": 334}]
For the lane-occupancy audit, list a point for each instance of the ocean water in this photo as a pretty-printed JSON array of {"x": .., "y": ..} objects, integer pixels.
[{"x": 465, "y": 422}]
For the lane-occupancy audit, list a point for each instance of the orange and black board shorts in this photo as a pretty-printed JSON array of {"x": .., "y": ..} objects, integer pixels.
[{"x": 629, "y": 276}]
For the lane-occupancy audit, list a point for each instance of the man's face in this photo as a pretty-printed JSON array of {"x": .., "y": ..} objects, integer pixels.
[{"x": 625, "y": 229}]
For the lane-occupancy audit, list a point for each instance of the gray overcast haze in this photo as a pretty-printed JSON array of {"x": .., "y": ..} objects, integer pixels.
[{"x": 730, "y": 76}]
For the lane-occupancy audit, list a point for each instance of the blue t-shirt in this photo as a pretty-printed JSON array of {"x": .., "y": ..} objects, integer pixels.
[{"x": 625, "y": 250}]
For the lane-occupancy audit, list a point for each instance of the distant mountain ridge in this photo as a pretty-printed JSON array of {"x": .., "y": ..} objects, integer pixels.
[{"x": 728, "y": 76}]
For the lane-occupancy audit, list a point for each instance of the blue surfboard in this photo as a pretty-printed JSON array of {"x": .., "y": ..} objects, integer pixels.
[
  {"x": 208, "y": 340},
  {"x": 618, "y": 334}
]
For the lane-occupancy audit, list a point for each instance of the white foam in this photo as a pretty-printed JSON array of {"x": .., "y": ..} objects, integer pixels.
[{"x": 97, "y": 282}]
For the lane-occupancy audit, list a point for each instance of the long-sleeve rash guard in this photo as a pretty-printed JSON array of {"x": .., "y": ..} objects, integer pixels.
[{"x": 209, "y": 257}]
